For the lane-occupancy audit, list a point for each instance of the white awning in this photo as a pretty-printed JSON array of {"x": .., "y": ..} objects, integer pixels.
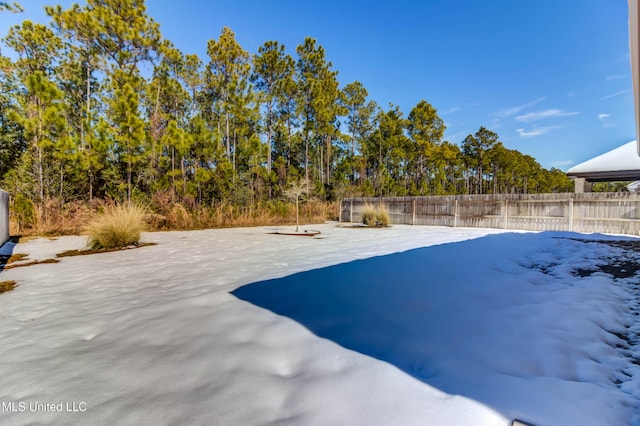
[{"x": 620, "y": 164}]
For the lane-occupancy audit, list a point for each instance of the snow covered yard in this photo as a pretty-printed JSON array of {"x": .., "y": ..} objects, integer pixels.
[{"x": 405, "y": 325}]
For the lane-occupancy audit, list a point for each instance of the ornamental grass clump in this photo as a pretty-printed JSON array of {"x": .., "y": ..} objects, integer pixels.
[
  {"x": 382, "y": 216},
  {"x": 375, "y": 216},
  {"x": 369, "y": 215},
  {"x": 118, "y": 227}
]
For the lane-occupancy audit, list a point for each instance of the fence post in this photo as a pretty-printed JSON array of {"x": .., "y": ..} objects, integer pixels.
[
  {"x": 506, "y": 214},
  {"x": 413, "y": 212},
  {"x": 455, "y": 213},
  {"x": 4, "y": 216},
  {"x": 351, "y": 212},
  {"x": 570, "y": 214}
]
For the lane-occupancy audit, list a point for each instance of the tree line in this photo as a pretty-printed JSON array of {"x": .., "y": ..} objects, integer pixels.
[{"x": 97, "y": 104}]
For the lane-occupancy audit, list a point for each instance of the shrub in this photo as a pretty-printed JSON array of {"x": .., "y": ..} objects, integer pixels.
[
  {"x": 372, "y": 216},
  {"x": 119, "y": 226}
]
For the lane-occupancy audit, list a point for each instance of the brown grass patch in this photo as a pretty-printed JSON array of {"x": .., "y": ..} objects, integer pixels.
[
  {"x": 16, "y": 257},
  {"x": 33, "y": 262},
  {"x": 70, "y": 253},
  {"x": 7, "y": 286}
]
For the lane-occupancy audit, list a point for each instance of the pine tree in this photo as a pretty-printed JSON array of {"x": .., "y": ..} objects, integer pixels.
[
  {"x": 272, "y": 70},
  {"x": 387, "y": 147},
  {"x": 359, "y": 123},
  {"x": 425, "y": 129},
  {"x": 227, "y": 74},
  {"x": 318, "y": 106},
  {"x": 12, "y": 141},
  {"x": 474, "y": 147},
  {"x": 38, "y": 109}
]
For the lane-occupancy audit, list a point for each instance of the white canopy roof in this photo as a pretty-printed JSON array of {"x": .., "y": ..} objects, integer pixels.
[{"x": 621, "y": 163}]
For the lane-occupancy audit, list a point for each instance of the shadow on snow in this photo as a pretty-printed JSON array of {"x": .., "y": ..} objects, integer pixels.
[{"x": 441, "y": 314}]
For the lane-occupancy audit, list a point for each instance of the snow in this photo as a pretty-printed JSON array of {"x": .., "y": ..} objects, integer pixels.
[
  {"x": 623, "y": 158},
  {"x": 404, "y": 325}
]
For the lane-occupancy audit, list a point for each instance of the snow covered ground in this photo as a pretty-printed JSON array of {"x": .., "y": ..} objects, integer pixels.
[{"x": 397, "y": 326}]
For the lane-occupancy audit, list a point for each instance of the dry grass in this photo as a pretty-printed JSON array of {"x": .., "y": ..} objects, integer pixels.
[
  {"x": 369, "y": 215},
  {"x": 226, "y": 215},
  {"x": 7, "y": 259},
  {"x": 383, "y": 215},
  {"x": 167, "y": 212},
  {"x": 54, "y": 217},
  {"x": 7, "y": 286},
  {"x": 33, "y": 262},
  {"x": 71, "y": 253},
  {"x": 119, "y": 226},
  {"x": 375, "y": 216},
  {"x": 16, "y": 257},
  {"x": 179, "y": 217}
]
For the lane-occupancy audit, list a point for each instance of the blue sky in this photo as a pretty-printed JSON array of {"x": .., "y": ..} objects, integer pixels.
[{"x": 552, "y": 78}]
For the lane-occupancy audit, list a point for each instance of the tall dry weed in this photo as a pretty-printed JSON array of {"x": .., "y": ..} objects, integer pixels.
[
  {"x": 52, "y": 217},
  {"x": 59, "y": 218},
  {"x": 179, "y": 218}
]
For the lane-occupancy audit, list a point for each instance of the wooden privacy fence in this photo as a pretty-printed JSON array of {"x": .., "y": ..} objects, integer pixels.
[
  {"x": 4, "y": 216},
  {"x": 609, "y": 212}
]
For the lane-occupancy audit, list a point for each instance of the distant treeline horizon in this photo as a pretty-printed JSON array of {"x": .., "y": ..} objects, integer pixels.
[{"x": 79, "y": 120}]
